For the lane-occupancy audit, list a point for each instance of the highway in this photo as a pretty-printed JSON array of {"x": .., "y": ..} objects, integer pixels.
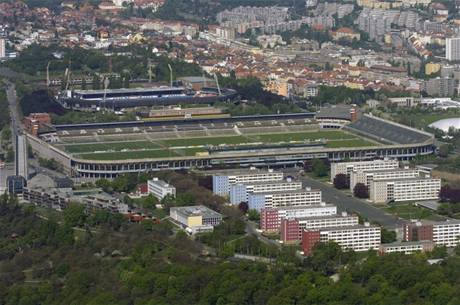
[{"x": 350, "y": 204}]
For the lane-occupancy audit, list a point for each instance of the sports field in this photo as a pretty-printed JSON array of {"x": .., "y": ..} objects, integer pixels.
[{"x": 176, "y": 147}]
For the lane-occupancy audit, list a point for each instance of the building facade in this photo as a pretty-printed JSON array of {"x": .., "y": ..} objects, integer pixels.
[
  {"x": 291, "y": 229},
  {"x": 453, "y": 49},
  {"x": 160, "y": 189},
  {"x": 221, "y": 182},
  {"x": 270, "y": 218},
  {"x": 2, "y": 48},
  {"x": 357, "y": 238},
  {"x": 404, "y": 189},
  {"x": 366, "y": 177},
  {"x": 446, "y": 233},
  {"x": 239, "y": 192},
  {"x": 348, "y": 167},
  {"x": 305, "y": 197}
]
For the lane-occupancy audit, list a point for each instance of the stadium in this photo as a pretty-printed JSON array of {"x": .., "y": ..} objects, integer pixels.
[{"x": 105, "y": 150}]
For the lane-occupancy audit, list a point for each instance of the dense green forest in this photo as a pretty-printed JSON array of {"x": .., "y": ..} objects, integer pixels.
[{"x": 102, "y": 259}]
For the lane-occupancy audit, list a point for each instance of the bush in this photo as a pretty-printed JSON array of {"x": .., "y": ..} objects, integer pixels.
[
  {"x": 360, "y": 190},
  {"x": 341, "y": 181}
]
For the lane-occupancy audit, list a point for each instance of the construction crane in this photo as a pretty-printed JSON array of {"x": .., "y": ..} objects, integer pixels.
[
  {"x": 48, "y": 74},
  {"x": 217, "y": 83},
  {"x": 67, "y": 74},
  {"x": 170, "y": 75},
  {"x": 106, "y": 85},
  {"x": 150, "y": 65}
]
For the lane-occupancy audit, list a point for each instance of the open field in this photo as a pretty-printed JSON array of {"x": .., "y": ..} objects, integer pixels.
[{"x": 175, "y": 144}]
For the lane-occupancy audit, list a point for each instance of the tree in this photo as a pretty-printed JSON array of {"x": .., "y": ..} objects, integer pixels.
[
  {"x": 341, "y": 181},
  {"x": 243, "y": 207},
  {"x": 388, "y": 236},
  {"x": 319, "y": 168},
  {"x": 360, "y": 190},
  {"x": 74, "y": 215},
  {"x": 253, "y": 215}
]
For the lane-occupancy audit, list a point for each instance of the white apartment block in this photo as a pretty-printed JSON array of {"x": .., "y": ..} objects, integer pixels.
[
  {"x": 347, "y": 167},
  {"x": 357, "y": 238},
  {"x": 160, "y": 189},
  {"x": 239, "y": 192},
  {"x": 446, "y": 233},
  {"x": 222, "y": 181},
  {"x": 404, "y": 190},
  {"x": 282, "y": 199},
  {"x": 367, "y": 176},
  {"x": 453, "y": 49},
  {"x": 342, "y": 220}
]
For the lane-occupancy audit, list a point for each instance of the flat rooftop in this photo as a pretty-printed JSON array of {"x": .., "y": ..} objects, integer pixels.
[
  {"x": 336, "y": 216},
  {"x": 355, "y": 227},
  {"x": 241, "y": 172},
  {"x": 307, "y": 207},
  {"x": 196, "y": 210},
  {"x": 160, "y": 183}
]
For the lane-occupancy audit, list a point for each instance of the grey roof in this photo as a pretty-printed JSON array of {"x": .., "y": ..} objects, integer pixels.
[
  {"x": 241, "y": 171},
  {"x": 126, "y": 90},
  {"x": 359, "y": 226},
  {"x": 161, "y": 183},
  {"x": 313, "y": 206},
  {"x": 196, "y": 210},
  {"x": 195, "y": 79},
  {"x": 389, "y": 131},
  {"x": 338, "y": 112}
]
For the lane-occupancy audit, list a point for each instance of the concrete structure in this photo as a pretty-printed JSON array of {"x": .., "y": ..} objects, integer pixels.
[
  {"x": 195, "y": 218},
  {"x": 453, "y": 49},
  {"x": 407, "y": 247},
  {"x": 410, "y": 189},
  {"x": 222, "y": 181},
  {"x": 357, "y": 238},
  {"x": 291, "y": 229},
  {"x": 304, "y": 197},
  {"x": 239, "y": 192},
  {"x": 160, "y": 189},
  {"x": 367, "y": 176},
  {"x": 348, "y": 167},
  {"x": 442, "y": 233},
  {"x": 270, "y": 218}
]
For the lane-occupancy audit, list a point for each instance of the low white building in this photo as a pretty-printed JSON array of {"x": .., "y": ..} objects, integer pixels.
[
  {"x": 160, "y": 189},
  {"x": 411, "y": 189},
  {"x": 407, "y": 247},
  {"x": 195, "y": 218}
]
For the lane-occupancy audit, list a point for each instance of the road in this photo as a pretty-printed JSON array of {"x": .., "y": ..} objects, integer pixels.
[
  {"x": 15, "y": 126},
  {"x": 351, "y": 204}
]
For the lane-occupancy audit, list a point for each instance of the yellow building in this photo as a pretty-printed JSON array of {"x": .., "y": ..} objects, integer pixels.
[{"x": 196, "y": 218}]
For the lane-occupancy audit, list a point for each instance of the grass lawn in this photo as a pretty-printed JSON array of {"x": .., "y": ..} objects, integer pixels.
[
  {"x": 301, "y": 136},
  {"x": 409, "y": 211},
  {"x": 205, "y": 141}
]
